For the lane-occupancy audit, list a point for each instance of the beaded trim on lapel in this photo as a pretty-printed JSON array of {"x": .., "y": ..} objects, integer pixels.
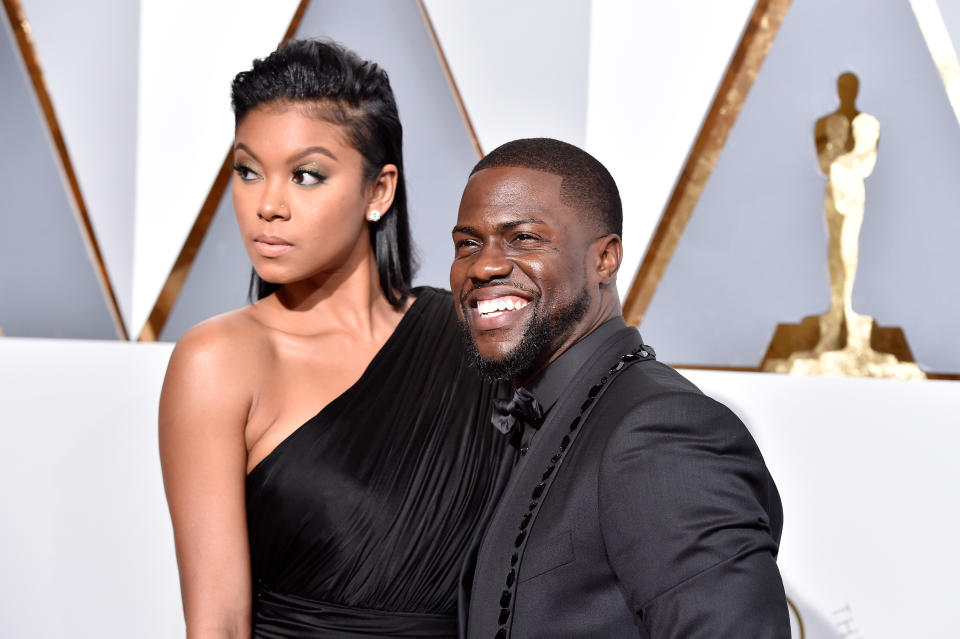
[{"x": 507, "y": 598}]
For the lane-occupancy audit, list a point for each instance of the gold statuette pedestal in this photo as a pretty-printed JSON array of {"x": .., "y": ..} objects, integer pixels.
[{"x": 793, "y": 351}]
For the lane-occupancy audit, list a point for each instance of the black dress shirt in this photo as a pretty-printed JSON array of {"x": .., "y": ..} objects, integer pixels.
[{"x": 547, "y": 387}]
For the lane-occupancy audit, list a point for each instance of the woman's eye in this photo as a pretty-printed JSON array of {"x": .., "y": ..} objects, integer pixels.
[
  {"x": 245, "y": 173},
  {"x": 306, "y": 178}
]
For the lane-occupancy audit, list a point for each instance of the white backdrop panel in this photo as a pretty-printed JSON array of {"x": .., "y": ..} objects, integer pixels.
[
  {"x": 865, "y": 469},
  {"x": 86, "y": 546},
  {"x": 867, "y": 472}
]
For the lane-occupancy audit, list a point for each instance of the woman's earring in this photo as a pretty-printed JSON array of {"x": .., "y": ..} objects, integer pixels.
[{"x": 374, "y": 215}]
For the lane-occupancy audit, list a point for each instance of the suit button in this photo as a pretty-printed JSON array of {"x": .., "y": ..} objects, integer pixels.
[
  {"x": 520, "y": 538},
  {"x": 504, "y": 615},
  {"x": 596, "y": 388},
  {"x": 501, "y": 634},
  {"x": 510, "y": 577},
  {"x": 537, "y": 491},
  {"x": 505, "y": 599}
]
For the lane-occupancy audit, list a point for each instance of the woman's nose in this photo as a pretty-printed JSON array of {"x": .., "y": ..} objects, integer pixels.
[{"x": 273, "y": 205}]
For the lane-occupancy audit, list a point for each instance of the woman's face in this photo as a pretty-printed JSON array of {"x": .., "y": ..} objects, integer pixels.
[{"x": 300, "y": 195}]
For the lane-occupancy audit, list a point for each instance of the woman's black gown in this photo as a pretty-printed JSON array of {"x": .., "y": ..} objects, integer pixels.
[{"x": 360, "y": 519}]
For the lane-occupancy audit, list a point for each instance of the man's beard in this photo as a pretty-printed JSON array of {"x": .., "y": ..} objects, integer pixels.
[{"x": 526, "y": 355}]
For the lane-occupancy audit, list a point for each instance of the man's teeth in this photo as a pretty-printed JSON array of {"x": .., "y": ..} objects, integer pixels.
[{"x": 500, "y": 304}]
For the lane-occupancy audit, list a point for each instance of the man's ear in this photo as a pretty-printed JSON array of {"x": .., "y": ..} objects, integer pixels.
[{"x": 609, "y": 255}]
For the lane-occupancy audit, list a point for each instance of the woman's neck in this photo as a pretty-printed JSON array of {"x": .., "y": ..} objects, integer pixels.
[{"x": 348, "y": 299}]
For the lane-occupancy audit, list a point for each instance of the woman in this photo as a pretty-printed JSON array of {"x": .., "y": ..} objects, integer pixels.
[{"x": 327, "y": 455}]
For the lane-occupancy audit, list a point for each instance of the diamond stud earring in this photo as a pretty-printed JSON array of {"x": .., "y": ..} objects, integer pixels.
[{"x": 374, "y": 215}]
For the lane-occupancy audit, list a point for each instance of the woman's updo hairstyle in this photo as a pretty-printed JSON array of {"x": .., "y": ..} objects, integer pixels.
[{"x": 338, "y": 86}]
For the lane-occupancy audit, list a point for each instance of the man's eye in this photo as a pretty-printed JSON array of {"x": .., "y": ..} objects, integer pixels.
[
  {"x": 465, "y": 244},
  {"x": 307, "y": 178},
  {"x": 525, "y": 237}
]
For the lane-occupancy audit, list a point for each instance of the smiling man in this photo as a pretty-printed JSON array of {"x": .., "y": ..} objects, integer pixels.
[{"x": 638, "y": 507}]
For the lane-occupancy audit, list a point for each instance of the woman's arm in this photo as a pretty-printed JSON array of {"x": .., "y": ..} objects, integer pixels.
[{"x": 203, "y": 411}]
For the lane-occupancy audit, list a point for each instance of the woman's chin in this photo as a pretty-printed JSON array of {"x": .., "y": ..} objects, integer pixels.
[{"x": 276, "y": 276}]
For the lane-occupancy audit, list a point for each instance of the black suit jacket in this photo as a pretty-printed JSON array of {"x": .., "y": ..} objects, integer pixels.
[{"x": 659, "y": 519}]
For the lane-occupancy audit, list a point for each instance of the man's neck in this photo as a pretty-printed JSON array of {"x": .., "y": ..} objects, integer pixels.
[
  {"x": 607, "y": 309},
  {"x": 552, "y": 381}
]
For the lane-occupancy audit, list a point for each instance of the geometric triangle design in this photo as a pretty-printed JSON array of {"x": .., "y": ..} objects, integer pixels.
[
  {"x": 50, "y": 285},
  {"x": 439, "y": 151},
  {"x": 757, "y": 238},
  {"x": 218, "y": 278},
  {"x": 544, "y": 71},
  {"x": 184, "y": 122},
  {"x": 89, "y": 55},
  {"x": 950, "y": 12}
]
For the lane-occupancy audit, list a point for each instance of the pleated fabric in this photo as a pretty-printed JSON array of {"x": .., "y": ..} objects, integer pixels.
[{"x": 360, "y": 519}]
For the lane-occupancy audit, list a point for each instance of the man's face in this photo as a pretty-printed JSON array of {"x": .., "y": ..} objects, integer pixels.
[{"x": 521, "y": 271}]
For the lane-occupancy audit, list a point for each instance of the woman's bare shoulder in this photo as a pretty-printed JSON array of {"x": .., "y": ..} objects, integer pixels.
[{"x": 227, "y": 349}]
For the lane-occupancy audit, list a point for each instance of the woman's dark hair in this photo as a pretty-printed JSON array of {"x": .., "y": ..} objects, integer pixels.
[{"x": 336, "y": 85}]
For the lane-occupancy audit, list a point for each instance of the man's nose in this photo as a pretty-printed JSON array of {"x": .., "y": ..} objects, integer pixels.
[{"x": 490, "y": 263}]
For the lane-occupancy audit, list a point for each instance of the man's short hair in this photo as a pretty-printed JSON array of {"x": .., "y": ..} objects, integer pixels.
[{"x": 585, "y": 186}]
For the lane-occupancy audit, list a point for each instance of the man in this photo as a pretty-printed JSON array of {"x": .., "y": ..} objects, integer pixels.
[{"x": 638, "y": 507}]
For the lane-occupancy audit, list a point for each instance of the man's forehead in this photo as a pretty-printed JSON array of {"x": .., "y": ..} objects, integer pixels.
[{"x": 513, "y": 186}]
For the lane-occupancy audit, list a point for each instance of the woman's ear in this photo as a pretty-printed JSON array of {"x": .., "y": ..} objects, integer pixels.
[
  {"x": 382, "y": 191},
  {"x": 609, "y": 255}
]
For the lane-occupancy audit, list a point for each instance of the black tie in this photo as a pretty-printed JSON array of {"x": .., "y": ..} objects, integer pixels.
[{"x": 509, "y": 415}]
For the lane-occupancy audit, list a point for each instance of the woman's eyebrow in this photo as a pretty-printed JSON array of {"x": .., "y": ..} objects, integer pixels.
[
  {"x": 310, "y": 150},
  {"x": 240, "y": 146}
]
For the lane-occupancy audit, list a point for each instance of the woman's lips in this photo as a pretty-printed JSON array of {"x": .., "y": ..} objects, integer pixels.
[{"x": 271, "y": 246}]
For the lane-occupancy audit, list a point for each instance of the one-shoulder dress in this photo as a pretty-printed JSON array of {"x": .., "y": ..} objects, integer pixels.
[{"x": 360, "y": 519}]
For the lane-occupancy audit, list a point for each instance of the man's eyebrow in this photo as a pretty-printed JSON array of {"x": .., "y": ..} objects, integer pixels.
[
  {"x": 515, "y": 223},
  {"x": 503, "y": 226}
]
